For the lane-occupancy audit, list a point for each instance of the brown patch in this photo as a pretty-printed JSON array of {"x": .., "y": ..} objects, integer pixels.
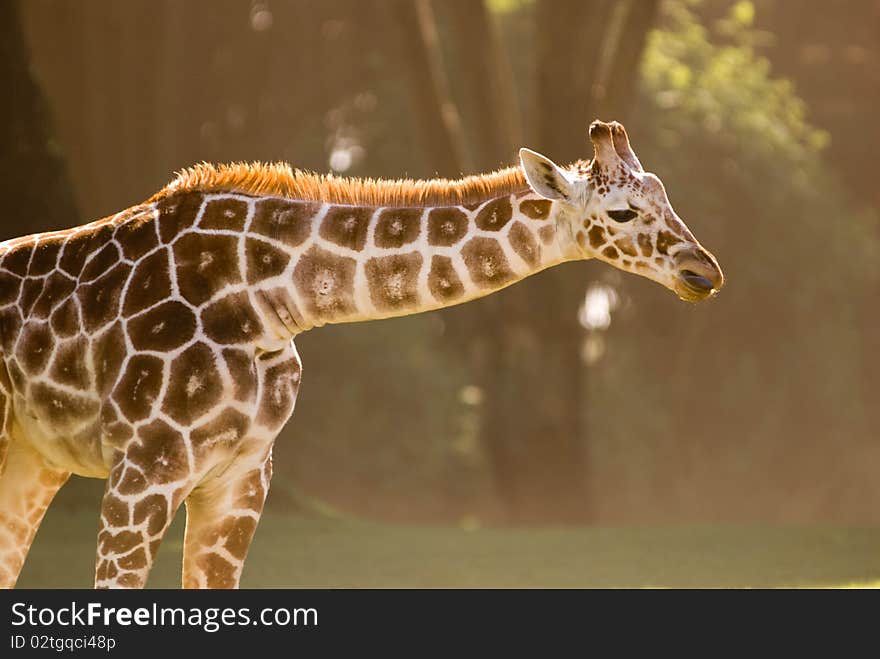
[
  {"x": 45, "y": 256},
  {"x": 115, "y": 511},
  {"x": 108, "y": 351},
  {"x": 19, "y": 381},
  {"x": 30, "y": 291},
  {"x": 163, "y": 328},
  {"x": 139, "y": 386},
  {"x": 219, "y": 573},
  {"x": 6, "y": 387},
  {"x": 131, "y": 482},
  {"x": 610, "y": 252},
  {"x": 10, "y": 285},
  {"x": 581, "y": 239},
  {"x": 250, "y": 493},
  {"x": 100, "y": 299},
  {"x": 68, "y": 365},
  {"x": 243, "y": 373},
  {"x": 118, "y": 543},
  {"x": 16, "y": 260},
  {"x": 224, "y": 430},
  {"x": 495, "y": 215},
  {"x": 626, "y": 246},
  {"x": 537, "y": 209},
  {"x": 524, "y": 244},
  {"x": 280, "y": 385},
  {"x": 206, "y": 264},
  {"x": 288, "y": 221},
  {"x": 10, "y": 324},
  {"x": 231, "y": 319},
  {"x": 177, "y": 213},
  {"x": 547, "y": 234},
  {"x": 443, "y": 280},
  {"x": 446, "y": 226},
  {"x": 397, "y": 227},
  {"x": 346, "y": 226},
  {"x": 78, "y": 247},
  {"x": 278, "y": 179},
  {"x": 100, "y": 263},
  {"x": 150, "y": 283},
  {"x": 325, "y": 283},
  {"x": 137, "y": 236},
  {"x": 239, "y": 536},
  {"x": 160, "y": 452},
  {"x": 225, "y": 214},
  {"x": 264, "y": 260},
  {"x": 597, "y": 236},
  {"x": 133, "y": 561},
  {"x": 665, "y": 240},
  {"x": 153, "y": 508},
  {"x": 58, "y": 286},
  {"x": 115, "y": 431},
  {"x": 486, "y": 263},
  {"x": 65, "y": 319},
  {"x": 194, "y": 386},
  {"x": 130, "y": 580},
  {"x": 645, "y": 244},
  {"x": 393, "y": 280},
  {"x": 60, "y": 407},
  {"x": 676, "y": 227},
  {"x": 34, "y": 347}
]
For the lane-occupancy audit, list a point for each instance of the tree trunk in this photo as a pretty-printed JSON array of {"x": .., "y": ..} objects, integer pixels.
[
  {"x": 587, "y": 59},
  {"x": 617, "y": 67},
  {"x": 436, "y": 115},
  {"x": 33, "y": 175}
]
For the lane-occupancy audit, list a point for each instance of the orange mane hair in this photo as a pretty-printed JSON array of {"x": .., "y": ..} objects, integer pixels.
[{"x": 278, "y": 179}]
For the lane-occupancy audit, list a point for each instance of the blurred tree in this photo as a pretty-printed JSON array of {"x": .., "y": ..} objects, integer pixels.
[
  {"x": 835, "y": 63},
  {"x": 586, "y": 58},
  {"x": 35, "y": 185},
  {"x": 437, "y": 116}
]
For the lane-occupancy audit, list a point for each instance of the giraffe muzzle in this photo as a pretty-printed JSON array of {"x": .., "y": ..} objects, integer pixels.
[{"x": 699, "y": 276}]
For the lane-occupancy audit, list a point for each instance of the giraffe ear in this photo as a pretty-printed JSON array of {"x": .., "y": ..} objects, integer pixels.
[{"x": 545, "y": 176}]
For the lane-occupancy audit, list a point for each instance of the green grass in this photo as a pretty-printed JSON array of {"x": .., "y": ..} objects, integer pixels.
[{"x": 319, "y": 551}]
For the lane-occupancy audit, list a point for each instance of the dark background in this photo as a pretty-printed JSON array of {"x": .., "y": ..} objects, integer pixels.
[{"x": 760, "y": 117}]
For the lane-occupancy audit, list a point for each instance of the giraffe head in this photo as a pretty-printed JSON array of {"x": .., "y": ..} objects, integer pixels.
[{"x": 617, "y": 212}]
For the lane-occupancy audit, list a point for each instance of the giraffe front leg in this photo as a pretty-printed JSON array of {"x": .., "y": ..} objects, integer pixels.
[
  {"x": 27, "y": 486},
  {"x": 221, "y": 518},
  {"x": 146, "y": 487}
]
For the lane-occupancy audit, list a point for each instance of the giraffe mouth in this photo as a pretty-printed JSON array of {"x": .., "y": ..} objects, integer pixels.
[
  {"x": 696, "y": 282},
  {"x": 694, "y": 286},
  {"x": 698, "y": 276}
]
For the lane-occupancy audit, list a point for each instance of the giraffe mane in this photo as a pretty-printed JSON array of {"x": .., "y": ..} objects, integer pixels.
[{"x": 279, "y": 179}]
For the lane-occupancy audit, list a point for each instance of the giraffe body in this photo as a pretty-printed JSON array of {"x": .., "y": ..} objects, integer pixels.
[{"x": 154, "y": 348}]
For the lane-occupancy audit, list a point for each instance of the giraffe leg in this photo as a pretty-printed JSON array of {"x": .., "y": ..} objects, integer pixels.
[
  {"x": 221, "y": 518},
  {"x": 27, "y": 486},
  {"x": 135, "y": 514}
]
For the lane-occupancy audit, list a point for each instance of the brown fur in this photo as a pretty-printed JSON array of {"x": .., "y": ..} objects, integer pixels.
[{"x": 279, "y": 179}]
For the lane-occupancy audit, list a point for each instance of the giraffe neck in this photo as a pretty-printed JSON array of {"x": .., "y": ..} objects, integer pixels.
[{"x": 353, "y": 263}]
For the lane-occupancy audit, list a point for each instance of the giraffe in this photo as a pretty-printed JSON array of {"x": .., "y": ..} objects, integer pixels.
[{"x": 155, "y": 348}]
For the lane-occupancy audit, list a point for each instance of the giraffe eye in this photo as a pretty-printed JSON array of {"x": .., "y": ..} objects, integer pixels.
[{"x": 623, "y": 215}]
